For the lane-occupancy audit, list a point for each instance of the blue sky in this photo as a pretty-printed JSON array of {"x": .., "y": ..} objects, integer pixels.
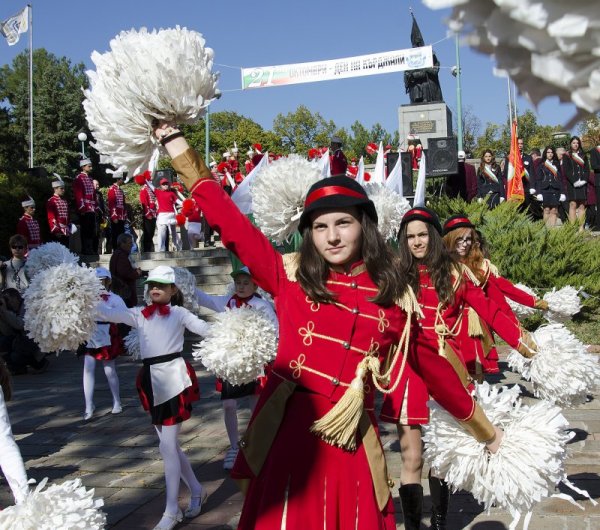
[{"x": 270, "y": 32}]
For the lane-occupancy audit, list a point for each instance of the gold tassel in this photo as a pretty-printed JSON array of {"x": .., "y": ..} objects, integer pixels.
[
  {"x": 338, "y": 427},
  {"x": 475, "y": 329}
]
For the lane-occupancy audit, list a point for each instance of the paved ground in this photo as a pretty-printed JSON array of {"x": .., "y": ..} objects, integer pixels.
[{"x": 118, "y": 455}]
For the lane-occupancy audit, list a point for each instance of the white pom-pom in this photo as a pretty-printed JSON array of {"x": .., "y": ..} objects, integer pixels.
[
  {"x": 390, "y": 207},
  {"x": 562, "y": 371},
  {"x": 238, "y": 345},
  {"x": 526, "y": 468},
  {"x": 520, "y": 310},
  {"x": 164, "y": 75},
  {"x": 60, "y": 307},
  {"x": 278, "y": 194},
  {"x": 68, "y": 506},
  {"x": 46, "y": 256},
  {"x": 132, "y": 344},
  {"x": 562, "y": 304},
  {"x": 186, "y": 283}
]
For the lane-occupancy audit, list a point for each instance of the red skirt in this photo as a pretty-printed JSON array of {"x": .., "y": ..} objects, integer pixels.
[
  {"x": 308, "y": 483},
  {"x": 108, "y": 353},
  {"x": 175, "y": 410}
]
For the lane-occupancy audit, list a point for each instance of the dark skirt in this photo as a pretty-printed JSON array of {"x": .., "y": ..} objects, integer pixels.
[
  {"x": 576, "y": 194},
  {"x": 229, "y": 391},
  {"x": 175, "y": 410}
]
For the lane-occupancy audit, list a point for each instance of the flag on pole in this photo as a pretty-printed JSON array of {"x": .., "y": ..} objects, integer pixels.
[
  {"x": 379, "y": 171},
  {"x": 12, "y": 27},
  {"x": 420, "y": 189},
  {"x": 325, "y": 165},
  {"x": 514, "y": 181},
  {"x": 394, "y": 180},
  {"x": 360, "y": 174},
  {"x": 242, "y": 196}
]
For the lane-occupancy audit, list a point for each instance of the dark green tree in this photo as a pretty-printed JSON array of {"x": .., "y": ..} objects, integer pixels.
[
  {"x": 57, "y": 112},
  {"x": 300, "y": 130}
]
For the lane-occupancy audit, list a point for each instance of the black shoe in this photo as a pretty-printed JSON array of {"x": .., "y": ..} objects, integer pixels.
[
  {"x": 440, "y": 495},
  {"x": 411, "y": 497}
]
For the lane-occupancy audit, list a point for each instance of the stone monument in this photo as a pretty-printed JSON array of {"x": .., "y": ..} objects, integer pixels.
[{"x": 426, "y": 116}]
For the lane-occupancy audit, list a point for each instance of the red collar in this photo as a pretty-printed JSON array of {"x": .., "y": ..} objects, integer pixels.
[{"x": 149, "y": 310}]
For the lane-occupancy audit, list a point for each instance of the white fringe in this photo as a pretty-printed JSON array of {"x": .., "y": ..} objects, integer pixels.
[
  {"x": 278, "y": 194},
  {"x": 66, "y": 506},
  {"x": 551, "y": 48},
  {"x": 60, "y": 307},
  {"x": 46, "y": 256},
  {"x": 526, "y": 468},
  {"x": 522, "y": 311},
  {"x": 186, "y": 283},
  {"x": 562, "y": 304},
  {"x": 562, "y": 371},
  {"x": 238, "y": 345},
  {"x": 132, "y": 344},
  {"x": 164, "y": 75},
  {"x": 390, "y": 206}
]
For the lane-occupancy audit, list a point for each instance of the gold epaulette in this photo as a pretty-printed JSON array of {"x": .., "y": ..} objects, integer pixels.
[
  {"x": 291, "y": 262},
  {"x": 491, "y": 267},
  {"x": 408, "y": 302}
]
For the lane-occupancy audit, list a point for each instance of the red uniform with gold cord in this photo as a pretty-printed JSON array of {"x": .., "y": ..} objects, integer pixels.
[
  {"x": 57, "y": 210},
  {"x": 477, "y": 340},
  {"x": 439, "y": 328},
  {"x": 293, "y": 478},
  {"x": 116, "y": 203},
  {"x": 29, "y": 228}
]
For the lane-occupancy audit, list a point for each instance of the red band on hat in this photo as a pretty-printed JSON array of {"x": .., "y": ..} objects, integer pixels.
[
  {"x": 416, "y": 211},
  {"x": 457, "y": 221},
  {"x": 331, "y": 190}
]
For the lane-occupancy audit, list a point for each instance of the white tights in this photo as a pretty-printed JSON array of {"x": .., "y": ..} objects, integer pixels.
[
  {"x": 11, "y": 461},
  {"x": 231, "y": 419},
  {"x": 177, "y": 466},
  {"x": 89, "y": 380}
]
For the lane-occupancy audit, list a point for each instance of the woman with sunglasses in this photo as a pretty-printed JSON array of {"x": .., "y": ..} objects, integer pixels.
[
  {"x": 443, "y": 287},
  {"x": 311, "y": 457},
  {"x": 13, "y": 270}
]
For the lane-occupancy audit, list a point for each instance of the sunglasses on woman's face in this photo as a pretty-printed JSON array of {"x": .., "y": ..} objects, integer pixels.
[{"x": 18, "y": 247}]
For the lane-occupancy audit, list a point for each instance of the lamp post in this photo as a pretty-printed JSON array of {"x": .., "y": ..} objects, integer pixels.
[
  {"x": 459, "y": 120},
  {"x": 82, "y": 137}
]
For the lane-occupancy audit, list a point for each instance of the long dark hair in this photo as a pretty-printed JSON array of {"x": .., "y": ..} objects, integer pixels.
[
  {"x": 580, "y": 150},
  {"x": 380, "y": 261},
  {"x": 554, "y": 160},
  {"x": 439, "y": 262},
  {"x": 492, "y": 163}
]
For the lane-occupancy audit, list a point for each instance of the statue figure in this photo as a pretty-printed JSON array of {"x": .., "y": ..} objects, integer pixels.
[{"x": 423, "y": 85}]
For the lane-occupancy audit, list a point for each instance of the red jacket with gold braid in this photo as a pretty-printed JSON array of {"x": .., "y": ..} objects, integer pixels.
[
  {"x": 439, "y": 328},
  {"x": 85, "y": 195},
  {"x": 116, "y": 203},
  {"x": 29, "y": 228},
  {"x": 57, "y": 210}
]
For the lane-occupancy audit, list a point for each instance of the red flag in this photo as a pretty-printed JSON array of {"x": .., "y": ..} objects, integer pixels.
[{"x": 514, "y": 182}]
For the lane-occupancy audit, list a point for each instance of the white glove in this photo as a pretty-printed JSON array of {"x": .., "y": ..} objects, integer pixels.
[
  {"x": 539, "y": 197},
  {"x": 480, "y": 200},
  {"x": 579, "y": 183},
  {"x": 502, "y": 199},
  {"x": 531, "y": 191},
  {"x": 562, "y": 197},
  {"x": 73, "y": 229}
]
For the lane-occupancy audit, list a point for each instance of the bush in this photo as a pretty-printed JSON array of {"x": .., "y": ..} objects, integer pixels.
[{"x": 527, "y": 252}]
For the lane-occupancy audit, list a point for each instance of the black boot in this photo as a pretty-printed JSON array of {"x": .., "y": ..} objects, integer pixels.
[
  {"x": 411, "y": 496},
  {"x": 440, "y": 495}
]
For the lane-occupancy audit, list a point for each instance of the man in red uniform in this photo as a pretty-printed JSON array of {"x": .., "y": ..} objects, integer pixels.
[
  {"x": 85, "y": 202},
  {"x": 116, "y": 208},
  {"x": 57, "y": 210},
  {"x": 28, "y": 227},
  {"x": 338, "y": 162},
  {"x": 149, "y": 212}
]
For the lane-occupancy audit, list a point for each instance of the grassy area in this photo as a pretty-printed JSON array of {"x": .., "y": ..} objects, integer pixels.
[{"x": 586, "y": 325}]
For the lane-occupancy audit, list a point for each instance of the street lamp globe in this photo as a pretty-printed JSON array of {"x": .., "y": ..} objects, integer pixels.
[{"x": 82, "y": 137}]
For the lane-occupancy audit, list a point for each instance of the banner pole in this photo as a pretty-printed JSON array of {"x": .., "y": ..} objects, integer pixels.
[{"x": 30, "y": 85}]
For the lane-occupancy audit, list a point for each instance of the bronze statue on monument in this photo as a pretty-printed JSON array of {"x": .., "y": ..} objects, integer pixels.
[{"x": 422, "y": 86}]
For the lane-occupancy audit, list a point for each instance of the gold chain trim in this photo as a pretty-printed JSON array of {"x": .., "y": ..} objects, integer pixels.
[{"x": 314, "y": 306}]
